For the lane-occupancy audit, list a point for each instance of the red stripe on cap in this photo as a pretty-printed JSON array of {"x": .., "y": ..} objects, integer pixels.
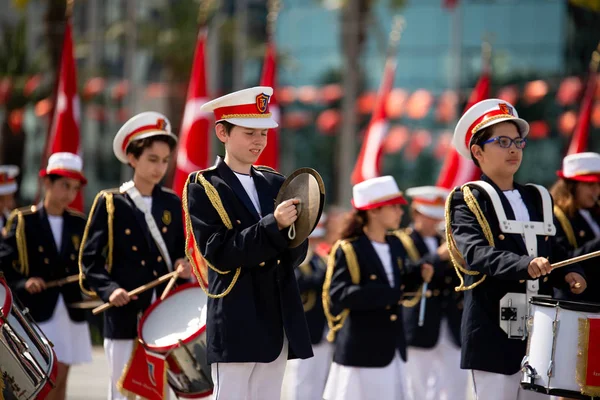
[
  {"x": 245, "y": 110},
  {"x": 4, "y": 178},
  {"x": 479, "y": 120},
  {"x": 160, "y": 126},
  {"x": 395, "y": 200},
  {"x": 440, "y": 201}
]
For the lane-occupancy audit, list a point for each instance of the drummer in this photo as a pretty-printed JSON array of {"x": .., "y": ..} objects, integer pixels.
[
  {"x": 255, "y": 318},
  {"x": 44, "y": 240},
  {"x": 134, "y": 234},
  {"x": 576, "y": 208},
  {"x": 502, "y": 269}
]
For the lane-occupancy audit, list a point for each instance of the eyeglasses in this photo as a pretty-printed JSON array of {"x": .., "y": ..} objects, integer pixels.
[{"x": 505, "y": 142}]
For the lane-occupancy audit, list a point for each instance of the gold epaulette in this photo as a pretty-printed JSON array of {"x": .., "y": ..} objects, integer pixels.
[
  {"x": 76, "y": 213},
  {"x": 566, "y": 226},
  {"x": 215, "y": 200},
  {"x": 19, "y": 214},
  {"x": 110, "y": 211},
  {"x": 457, "y": 259},
  {"x": 336, "y": 322},
  {"x": 415, "y": 256},
  {"x": 264, "y": 168}
]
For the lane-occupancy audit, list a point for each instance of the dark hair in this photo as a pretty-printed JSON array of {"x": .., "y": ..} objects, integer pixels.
[
  {"x": 227, "y": 125},
  {"x": 563, "y": 194},
  {"x": 354, "y": 224},
  {"x": 486, "y": 133},
  {"x": 54, "y": 177},
  {"x": 137, "y": 147}
]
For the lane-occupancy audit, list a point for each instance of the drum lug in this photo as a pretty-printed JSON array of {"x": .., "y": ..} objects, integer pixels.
[
  {"x": 529, "y": 372},
  {"x": 550, "y": 371}
]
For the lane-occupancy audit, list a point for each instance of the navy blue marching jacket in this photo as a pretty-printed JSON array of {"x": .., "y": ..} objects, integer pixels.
[
  {"x": 29, "y": 250},
  {"x": 576, "y": 234},
  {"x": 251, "y": 267},
  {"x": 364, "y": 309},
  {"x": 310, "y": 276},
  {"x": 442, "y": 300},
  {"x": 118, "y": 251},
  {"x": 485, "y": 346}
]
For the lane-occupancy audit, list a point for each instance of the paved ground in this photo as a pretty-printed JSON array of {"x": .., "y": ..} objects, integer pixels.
[{"x": 89, "y": 381}]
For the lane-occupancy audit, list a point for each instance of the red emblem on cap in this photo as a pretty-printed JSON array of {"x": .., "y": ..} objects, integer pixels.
[
  {"x": 262, "y": 103},
  {"x": 161, "y": 124},
  {"x": 506, "y": 109}
]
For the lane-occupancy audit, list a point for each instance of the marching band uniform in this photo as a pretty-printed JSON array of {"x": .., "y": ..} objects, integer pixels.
[
  {"x": 8, "y": 187},
  {"x": 434, "y": 348},
  {"x": 121, "y": 250},
  {"x": 496, "y": 261},
  {"x": 580, "y": 231},
  {"x": 362, "y": 301},
  {"x": 255, "y": 319},
  {"x": 46, "y": 246},
  {"x": 305, "y": 379}
]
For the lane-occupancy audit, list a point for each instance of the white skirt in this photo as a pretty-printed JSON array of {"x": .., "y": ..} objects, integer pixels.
[
  {"x": 72, "y": 341},
  {"x": 363, "y": 383}
]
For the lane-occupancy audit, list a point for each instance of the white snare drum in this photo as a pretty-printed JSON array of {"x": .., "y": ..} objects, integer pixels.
[
  {"x": 175, "y": 327},
  {"x": 28, "y": 364},
  {"x": 551, "y": 361}
]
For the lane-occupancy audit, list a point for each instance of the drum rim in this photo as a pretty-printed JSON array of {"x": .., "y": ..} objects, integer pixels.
[
  {"x": 47, "y": 388},
  {"x": 165, "y": 349},
  {"x": 8, "y": 301},
  {"x": 572, "y": 305}
]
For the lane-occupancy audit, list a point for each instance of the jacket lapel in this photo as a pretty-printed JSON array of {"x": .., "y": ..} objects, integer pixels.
[
  {"x": 140, "y": 218},
  {"x": 66, "y": 235},
  {"x": 46, "y": 230},
  {"x": 398, "y": 259},
  {"x": 266, "y": 196},
  {"x": 372, "y": 257},
  {"x": 234, "y": 183}
]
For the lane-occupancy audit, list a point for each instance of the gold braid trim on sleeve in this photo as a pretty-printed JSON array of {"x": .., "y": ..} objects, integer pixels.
[
  {"x": 413, "y": 254},
  {"x": 84, "y": 239},
  {"x": 192, "y": 247},
  {"x": 22, "y": 245},
  {"x": 455, "y": 256},
  {"x": 336, "y": 322},
  {"x": 566, "y": 225}
]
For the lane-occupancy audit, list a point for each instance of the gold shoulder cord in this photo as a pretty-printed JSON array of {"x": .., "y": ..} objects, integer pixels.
[
  {"x": 215, "y": 200},
  {"x": 413, "y": 254},
  {"x": 21, "y": 240},
  {"x": 566, "y": 225},
  {"x": 455, "y": 256},
  {"x": 336, "y": 322},
  {"x": 110, "y": 209}
]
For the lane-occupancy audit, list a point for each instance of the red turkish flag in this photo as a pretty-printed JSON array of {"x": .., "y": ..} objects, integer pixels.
[
  {"x": 270, "y": 155},
  {"x": 64, "y": 133},
  {"x": 579, "y": 141},
  {"x": 193, "y": 152},
  {"x": 368, "y": 164},
  {"x": 457, "y": 170}
]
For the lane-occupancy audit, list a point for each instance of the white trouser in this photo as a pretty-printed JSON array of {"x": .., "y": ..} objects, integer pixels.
[
  {"x": 491, "y": 386},
  {"x": 250, "y": 381},
  {"x": 435, "y": 374},
  {"x": 305, "y": 379},
  {"x": 118, "y": 353}
]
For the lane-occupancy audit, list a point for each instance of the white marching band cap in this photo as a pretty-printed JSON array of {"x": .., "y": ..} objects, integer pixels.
[
  {"x": 582, "y": 167},
  {"x": 8, "y": 179},
  {"x": 321, "y": 229},
  {"x": 65, "y": 164},
  {"x": 376, "y": 192},
  {"x": 248, "y": 108},
  {"x": 429, "y": 200},
  {"x": 140, "y": 126},
  {"x": 482, "y": 115}
]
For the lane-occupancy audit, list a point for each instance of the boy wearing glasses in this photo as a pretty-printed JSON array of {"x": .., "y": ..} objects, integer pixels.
[{"x": 501, "y": 240}]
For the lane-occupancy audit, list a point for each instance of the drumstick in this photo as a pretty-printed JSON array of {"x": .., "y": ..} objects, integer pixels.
[
  {"x": 136, "y": 291},
  {"x": 575, "y": 259},
  {"x": 63, "y": 281},
  {"x": 169, "y": 286}
]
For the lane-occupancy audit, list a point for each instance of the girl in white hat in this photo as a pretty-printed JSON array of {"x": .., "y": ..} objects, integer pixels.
[
  {"x": 134, "y": 234},
  {"x": 576, "y": 194},
  {"x": 362, "y": 297},
  {"x": 501, "y": 240},
  {"x": 51, "y": 235}
]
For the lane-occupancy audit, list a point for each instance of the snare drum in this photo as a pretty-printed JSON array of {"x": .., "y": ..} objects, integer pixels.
[
  {"x": 551, "y": 361},
  {"x": 176, "y": 328},
  {"x": 28, "y": 365}
]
